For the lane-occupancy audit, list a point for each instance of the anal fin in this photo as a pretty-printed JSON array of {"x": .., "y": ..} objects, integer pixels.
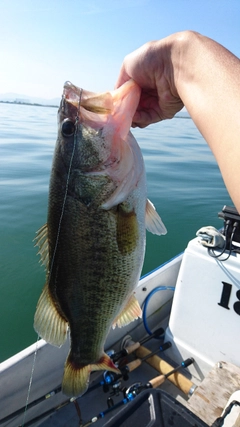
[
  {"x": 131, "y": 311},
  {"x": 48, "y": 323}
]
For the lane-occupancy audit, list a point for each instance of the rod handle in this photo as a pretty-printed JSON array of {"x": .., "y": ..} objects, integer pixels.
[
  {"x": 163, "y": 367},
  {"x": 157, "y": 381},
  {"x": 132, "y": 347},
  {"x": 133, "y": 365}
]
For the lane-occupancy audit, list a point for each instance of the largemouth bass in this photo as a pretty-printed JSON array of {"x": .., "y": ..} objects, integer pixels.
[{"x": 94, "y": 241}]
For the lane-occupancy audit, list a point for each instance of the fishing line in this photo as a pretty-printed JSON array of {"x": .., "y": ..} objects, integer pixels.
[
  {"x": 67, "y": 183},
  {"x": 30, "y": 382},
  {"x": 56, "y": 244}
]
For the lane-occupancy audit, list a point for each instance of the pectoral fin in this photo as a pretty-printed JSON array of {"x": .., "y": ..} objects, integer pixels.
[
  {"x": 153, "y": 221},
  {"x": 131, "y": 311},
  {"x": 127, "y": 229}
]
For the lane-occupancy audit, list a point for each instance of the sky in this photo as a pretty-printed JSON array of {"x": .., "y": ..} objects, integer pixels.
[{"x": 43, "y": 43}]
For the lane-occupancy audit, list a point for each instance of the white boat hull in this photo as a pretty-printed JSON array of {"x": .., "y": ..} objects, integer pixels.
[{"x": 202, "y": 322}]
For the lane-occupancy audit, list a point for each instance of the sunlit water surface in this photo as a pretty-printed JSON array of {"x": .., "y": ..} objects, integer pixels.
[{"x": 183, "y": 179}]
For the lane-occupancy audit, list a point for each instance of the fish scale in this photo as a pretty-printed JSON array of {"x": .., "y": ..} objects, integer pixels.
[{"x": 93, "y": 244}]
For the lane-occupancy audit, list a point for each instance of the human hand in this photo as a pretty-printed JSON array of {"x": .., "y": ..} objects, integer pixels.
[
  {"x": 190, "y": 69},
  {"x": 151, "y": 67}
]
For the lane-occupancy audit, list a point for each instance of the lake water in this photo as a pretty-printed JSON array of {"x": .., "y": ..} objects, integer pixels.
[{"x": 184, "y": 183}]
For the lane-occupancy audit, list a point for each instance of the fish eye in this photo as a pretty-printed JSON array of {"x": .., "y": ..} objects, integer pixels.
[{"x": 68, "y": 128}]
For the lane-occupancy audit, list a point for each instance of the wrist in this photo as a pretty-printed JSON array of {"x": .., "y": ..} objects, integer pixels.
[{"x": 181, "y": 48}]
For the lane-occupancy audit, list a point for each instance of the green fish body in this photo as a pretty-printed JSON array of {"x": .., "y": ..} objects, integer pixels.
[{"x": 93, "y": 244}]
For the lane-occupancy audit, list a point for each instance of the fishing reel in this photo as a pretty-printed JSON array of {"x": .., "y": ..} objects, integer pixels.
[
  {"x": 133, "y": 390},
  {"x": 111, "y": 379}
]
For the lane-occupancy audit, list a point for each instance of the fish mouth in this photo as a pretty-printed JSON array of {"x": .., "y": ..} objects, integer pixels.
[
  {"x": 71, "y": 93},
  {"x": 98, "y": 103},
  {"x": 93, "y": 110}
]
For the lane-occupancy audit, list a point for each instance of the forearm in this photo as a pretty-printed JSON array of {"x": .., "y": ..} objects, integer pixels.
[{"x": 207, "y": 79}]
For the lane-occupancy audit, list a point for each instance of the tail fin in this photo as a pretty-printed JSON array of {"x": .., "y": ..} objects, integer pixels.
[{"x": 76, "y": 377}]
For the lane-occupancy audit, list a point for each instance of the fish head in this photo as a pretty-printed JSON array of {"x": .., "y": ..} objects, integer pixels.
[
  {"x": 80, "y": 128},
  {"x": 97, "y": 128}
]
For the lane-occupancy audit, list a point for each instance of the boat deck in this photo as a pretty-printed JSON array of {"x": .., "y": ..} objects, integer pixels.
[
  {"x": 207, "y": 402},
  {"x": 96, "y": 401},
  {"x": 216, "y": 375}
]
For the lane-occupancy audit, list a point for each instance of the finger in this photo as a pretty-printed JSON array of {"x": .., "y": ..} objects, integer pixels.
[
  {"x": 138, "y": 125},
  {"x": 142, "y": 119},
  {"x": 122, "y": 78}
]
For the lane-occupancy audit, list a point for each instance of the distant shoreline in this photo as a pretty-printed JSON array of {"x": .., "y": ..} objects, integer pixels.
[
  {"x": 28, "y": 103},
  {"x": 179, "y": 115}
]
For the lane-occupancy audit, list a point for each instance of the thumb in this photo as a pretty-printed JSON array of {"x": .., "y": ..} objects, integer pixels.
[{"x": 122, "y": 78}]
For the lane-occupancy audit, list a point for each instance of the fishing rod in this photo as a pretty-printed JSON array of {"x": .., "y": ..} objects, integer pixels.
[
  {"x": 134, "y": 346},
  {"x": 157, "y": 381},
  {"x": 137, "y": 362},
  {"x": 106, "y": 381},
  {"x": 129, "y": 367},
  {"x": 124, "y": 371},
  {"x": 30, "y": 405},
  {"x": 47, "y": 413},
  {"x": 110, "y": 378},
  {"x": 137, "y": 388},
  {"x": 179, "y": 380},
  {"x": 130, "y": 394}
]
